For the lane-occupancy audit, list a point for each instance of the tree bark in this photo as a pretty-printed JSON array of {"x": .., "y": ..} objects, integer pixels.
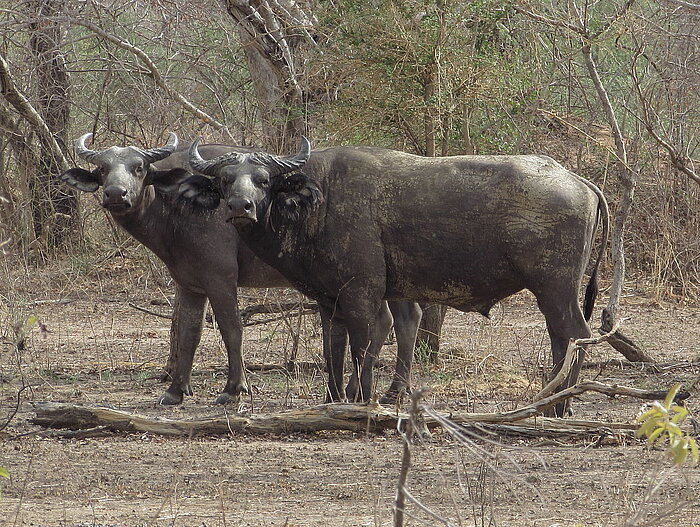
[
  {"x": 276, "y": 36},
  {"x": 54, "y": 207},
  {"x": 430, "y": 328}
]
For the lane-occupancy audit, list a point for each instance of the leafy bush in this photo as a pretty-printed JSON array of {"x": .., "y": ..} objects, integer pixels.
[{"x": 662, "y": 424}]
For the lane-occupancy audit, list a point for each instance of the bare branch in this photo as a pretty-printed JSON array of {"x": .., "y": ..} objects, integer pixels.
[
  {"x": 683, "y": 3},
  {"x": 549, "y": 21},
  {"x": 333, "y": 416},
  {"x": 624, "y": 8},
  {"x": 22, "y": 105},
  {"x": 678, "y": 160},
  {"x": 152, "y": 72},
  {"x": 572, "y": 352}
]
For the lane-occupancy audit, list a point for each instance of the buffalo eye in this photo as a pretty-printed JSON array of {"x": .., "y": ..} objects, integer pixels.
[
  {"x": 262, "y": 181},
  {"x": 139, "y": 170}
]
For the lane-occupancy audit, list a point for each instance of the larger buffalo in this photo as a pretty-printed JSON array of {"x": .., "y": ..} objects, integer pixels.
[
  {"x": 203, "y": 254},
  {"x": 364, "y": 224}
]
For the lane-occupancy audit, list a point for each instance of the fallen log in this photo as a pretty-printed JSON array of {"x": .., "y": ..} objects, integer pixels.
[{"x": 334, "y": 416}]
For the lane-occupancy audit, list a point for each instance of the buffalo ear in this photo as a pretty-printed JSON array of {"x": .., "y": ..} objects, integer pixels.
[
  {"x": 81, "y": 179},
  {"x": 200, "y": 192},
  {"x": 167, "y": 180},
  {"x": 296, "y": 194}
]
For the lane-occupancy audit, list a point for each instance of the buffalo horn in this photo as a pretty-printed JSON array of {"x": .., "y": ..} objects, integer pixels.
[
  {"x": 291, "y": 163},
  {"x": 156, "y": 154},
  {"x": 210, "y": 167},
  {"x": 83, "y": 151}
]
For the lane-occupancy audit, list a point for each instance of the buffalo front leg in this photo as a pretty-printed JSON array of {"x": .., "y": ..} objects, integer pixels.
[
  {"x": 380, "y": 331},
  {"x": 335, "y": 342},
  {"x": 171, "y": 365},
  {"x": 185, "y": 333},
  {"x": 407, "y": 317},
  {"x": 364, "y": 355},
  {"x": 224, "y": 303}
]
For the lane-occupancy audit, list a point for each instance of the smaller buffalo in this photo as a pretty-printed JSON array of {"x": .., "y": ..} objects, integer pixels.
[
  {"x": 205, "y": 257},
  {"x": 354, "y": 226}
]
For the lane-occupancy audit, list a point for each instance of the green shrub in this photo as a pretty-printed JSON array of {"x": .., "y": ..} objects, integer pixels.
[{"x": 662, "y": 424}]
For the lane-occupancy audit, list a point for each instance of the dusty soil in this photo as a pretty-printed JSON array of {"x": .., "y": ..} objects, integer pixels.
[{"x": 98, "y": 348}]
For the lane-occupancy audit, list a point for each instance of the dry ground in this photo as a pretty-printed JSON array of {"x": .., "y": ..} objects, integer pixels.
[{"x": 97, "y": 348}]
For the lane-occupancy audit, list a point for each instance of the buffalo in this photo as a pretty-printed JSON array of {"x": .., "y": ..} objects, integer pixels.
[
  {"x": 205, "y": 257},
  {"x": 354, "y": 226}
]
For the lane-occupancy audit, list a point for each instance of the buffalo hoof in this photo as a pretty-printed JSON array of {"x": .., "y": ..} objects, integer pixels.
[
  {"x": 560, "y": 410},
  {"x": 393, "y": 397},
  {"x": 355, "y": 395},
  {"x": 227, "y": 398},
  {"x": 170, "y": 399},
  {"x": 338, "y": 399}
]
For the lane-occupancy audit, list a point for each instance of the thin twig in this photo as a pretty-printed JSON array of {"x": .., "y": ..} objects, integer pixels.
[
  {"x": 407, "y": 436},
  {"x": 153, "y": 72},
  {"x": 16, "y": 408}
]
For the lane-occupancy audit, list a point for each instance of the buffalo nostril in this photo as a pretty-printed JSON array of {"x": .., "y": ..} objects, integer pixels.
[{"x": 114, "y": 192}]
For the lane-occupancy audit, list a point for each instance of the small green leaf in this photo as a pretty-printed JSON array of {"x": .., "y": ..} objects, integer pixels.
[
  {"x": 647, "y": 428},
  {"x": 646, "y": 415},
  {"x": 671, "y": 395},
  {"x": 674, "y": 429},
  {"x": 655, "y": 435},
  {"x": 680, "y": 414},
  {"x": 4, "y": 473},
  {"x": 679, "y": 455}
]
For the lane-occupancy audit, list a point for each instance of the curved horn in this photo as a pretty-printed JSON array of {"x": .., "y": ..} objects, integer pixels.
[
  {"x": 210, "y": 167},
  {"x": 291, "y": 163},
  {"x": 83, "y": 151},
  {"x": 156, "y": 154}
]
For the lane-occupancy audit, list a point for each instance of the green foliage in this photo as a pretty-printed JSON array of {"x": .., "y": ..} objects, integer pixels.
[
  {"x": 22, "y": 331},
  {"x": 4, "y": 474},
  {"x": 423, "y": 353},
  {"x": 661, "y": 424},
  {"x": 410, "y": 74}
]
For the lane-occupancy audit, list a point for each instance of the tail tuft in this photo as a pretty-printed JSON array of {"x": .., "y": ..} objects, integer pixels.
[{"x": 591, "y": 294}]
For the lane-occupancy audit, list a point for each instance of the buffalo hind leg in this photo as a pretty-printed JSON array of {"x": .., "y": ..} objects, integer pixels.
[
  {"x": 186, "y": 331},
  {"x": 564, "y": 322},
  {"x": 407, "y": 317}
]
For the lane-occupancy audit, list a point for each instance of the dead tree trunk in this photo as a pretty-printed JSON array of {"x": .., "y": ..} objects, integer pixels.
[{"x": 628, "y": 181}]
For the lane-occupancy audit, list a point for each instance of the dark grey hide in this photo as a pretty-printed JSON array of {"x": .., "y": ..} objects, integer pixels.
[
  {"x": 363, "y": 224},
  {"x": 202, "y": 252}
]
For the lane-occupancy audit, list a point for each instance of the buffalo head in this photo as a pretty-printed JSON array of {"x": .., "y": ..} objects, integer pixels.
[
  {"x": 123, "y": 172},
  {"x": 254, "y": 185}
]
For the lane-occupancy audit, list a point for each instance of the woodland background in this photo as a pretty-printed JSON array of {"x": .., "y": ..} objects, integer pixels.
[{"x": 610, "y": 89}]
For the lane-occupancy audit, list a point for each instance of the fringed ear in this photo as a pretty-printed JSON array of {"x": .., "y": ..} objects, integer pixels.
[
  {"x": 166, "y": 180},
  {"x": 295, "y": 195},
  {"x": 200, "y": 192},
  {"x": 81, "y": 179}
]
